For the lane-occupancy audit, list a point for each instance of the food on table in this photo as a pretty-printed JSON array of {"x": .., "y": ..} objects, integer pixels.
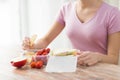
[
  {"x": 19, "y": 62},
  {"x": 44, "y": 58},
  {"x": 44, "y": 51},
  {"x": 37, "y": 64},
  {"x": 28, "y": 55},
  {"x": 33, "y": 64},
  {"x": 65, "y": 52},
  {"x": 41, "y": 54}
]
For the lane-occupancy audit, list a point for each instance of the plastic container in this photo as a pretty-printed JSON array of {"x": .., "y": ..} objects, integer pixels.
[
  {"x": 44, "y": 58},
  {"x": 29, "y": 54}
]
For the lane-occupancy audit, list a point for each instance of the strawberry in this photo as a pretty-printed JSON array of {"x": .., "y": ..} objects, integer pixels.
[
  {"x": 47, "y": 50},
  {"x": 43, "y": 50},
  {"x": 33, "y": 64},
  {"x": 45, "y": 53},
  {"x": 39, "y": 64},
  {"x": 39, "y": 52}
]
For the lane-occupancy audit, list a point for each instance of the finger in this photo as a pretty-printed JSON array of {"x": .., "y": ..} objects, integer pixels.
[
  {"x": 25, "y": 47},
  {"x": 27, "y": 39},
  {"x": 92, "y": 63},
  {"x": 84, "y": 58},
  {"x": 80, "y": 62},
  {"x": 79, "y": 52},
  {"x": 87, "y": 61},
  {"x": 32, "y": 39},
  {"x": 83, "y": 55}
]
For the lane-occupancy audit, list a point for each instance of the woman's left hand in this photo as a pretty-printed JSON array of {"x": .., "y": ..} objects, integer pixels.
[{"x": 89, "y": 58}]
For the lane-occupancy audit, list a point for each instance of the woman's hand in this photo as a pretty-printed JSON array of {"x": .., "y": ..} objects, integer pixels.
[
  {"x": 89, "y": 58},
  {"x": 26, "y": 44},
  {"x": 39, "y": 44}
]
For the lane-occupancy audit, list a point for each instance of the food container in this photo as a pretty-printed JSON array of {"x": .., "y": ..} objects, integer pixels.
[
  {"x": 28, "y": 54},
  {"x": 36, "y": 55},
  {"x": 43, "y": 58}
]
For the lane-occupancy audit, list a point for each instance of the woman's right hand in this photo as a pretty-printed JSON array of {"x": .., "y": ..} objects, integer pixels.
[
  {"x": 39, "y": 44},
  {"x": 26, "y": 44}
]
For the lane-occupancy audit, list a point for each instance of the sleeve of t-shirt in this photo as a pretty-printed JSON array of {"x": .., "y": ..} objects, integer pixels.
[
  {"x": 60, "y": 15},
  {"x": 114, "y": 22}
]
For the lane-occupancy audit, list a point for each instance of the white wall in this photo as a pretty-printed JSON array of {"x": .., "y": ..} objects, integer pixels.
[
  {"x": 9, "y": 22},
  {"x": 115, "y": 3},
  {"x": 42, "y": 14}
]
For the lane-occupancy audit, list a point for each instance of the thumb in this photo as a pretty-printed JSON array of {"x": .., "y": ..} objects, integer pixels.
[{"x": 79, "y": 52}]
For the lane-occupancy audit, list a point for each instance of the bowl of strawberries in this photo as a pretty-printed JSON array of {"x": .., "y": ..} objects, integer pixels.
[{"x": 41, "y": 55}]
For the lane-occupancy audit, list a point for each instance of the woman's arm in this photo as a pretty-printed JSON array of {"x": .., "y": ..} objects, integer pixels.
[
  {"x": 113, "y": 49},
  {"x": 51, "y": 34}
]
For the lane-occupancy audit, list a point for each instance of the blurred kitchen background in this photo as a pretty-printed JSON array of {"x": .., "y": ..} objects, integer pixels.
[{"x": 20, "y": 18}]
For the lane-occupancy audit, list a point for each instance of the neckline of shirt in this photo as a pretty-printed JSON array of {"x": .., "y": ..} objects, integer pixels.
[{"x": 74, "y": 8}]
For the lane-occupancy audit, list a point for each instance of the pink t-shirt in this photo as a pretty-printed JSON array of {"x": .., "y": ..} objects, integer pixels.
[{"x": 93, "y": 34}]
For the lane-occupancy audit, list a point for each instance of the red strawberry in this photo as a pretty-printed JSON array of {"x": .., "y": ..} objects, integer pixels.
[
  {"x": 39, "y": 52},
  {"x": 33, "y": 64},
  {"x": 47, "y": 50},
  {"x": 45, "y": 53},
  {"x": 39, "y": 64},
  {"x": 43, "y": 50}
]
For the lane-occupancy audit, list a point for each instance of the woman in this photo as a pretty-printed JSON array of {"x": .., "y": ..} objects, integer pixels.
[{"x": 93, "y": 27}]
